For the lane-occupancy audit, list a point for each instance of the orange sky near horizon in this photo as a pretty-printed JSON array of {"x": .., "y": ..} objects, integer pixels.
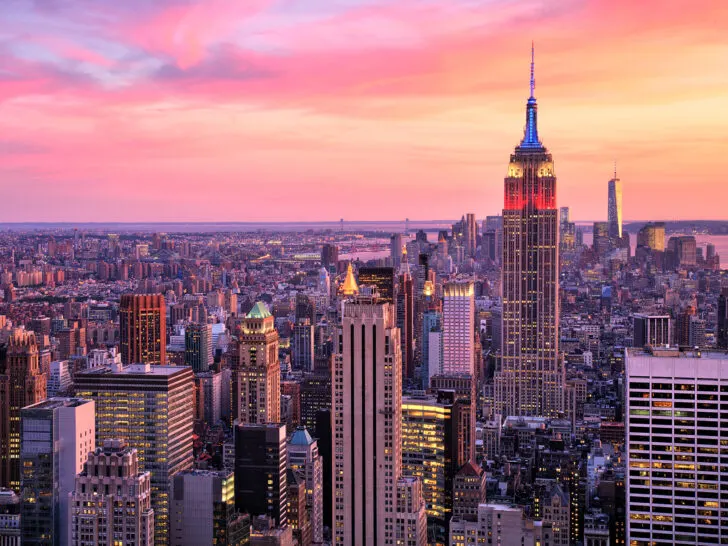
[{"x": 300, "y": 110}]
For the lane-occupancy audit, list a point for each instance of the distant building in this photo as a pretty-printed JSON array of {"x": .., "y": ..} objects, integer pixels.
[
  {"x": 198, "y": 347},
  {"x": 302, "y": 345},
  {"x": 458, "y": 329},
  {"x": 59, "y": 380},
  {"x": 329, "y": 255},
  {"x": 9, "y": 518},
  {"x": 652, "y": 330},
  {"x": 615, "y": 207},
  {"x": 143, "y": 329},
  {"x": 56, "y": 437},
  {"x": 722, "y": 326},
  {"x": 652, "y": 235},
  {"x": 395, "y": 248},
  {"x": 111, "y": 477},
  {"x": 303, "y": 457},
  {"x": 468, "y": 491}
]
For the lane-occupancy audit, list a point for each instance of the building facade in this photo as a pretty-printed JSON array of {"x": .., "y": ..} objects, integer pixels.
[
  {"x": 143, "y": 329},
  {"x": 458, "y": 329}
]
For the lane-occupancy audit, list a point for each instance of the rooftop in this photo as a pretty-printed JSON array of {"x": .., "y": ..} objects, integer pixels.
[{"x": 259, "y": 311}]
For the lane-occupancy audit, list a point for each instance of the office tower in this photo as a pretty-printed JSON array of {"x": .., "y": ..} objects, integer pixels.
[
  {"x": 56, "y": 436},
  {"x": 329, "y": 255},
  {"x": 257, "y": 377},
  {"x": 567, "y": 230},
  {"x": 304, "y": 458},
  {"x": 676, "y": 488},
  {"x": 601, "y": 242},
  {"x": 383, "y": 278},
  {"x": 471, "y": 235},
  {"x": 531, "y": 378},
  {"x": 722, "y": 329},
  {"x": 59, "y": 379},
  {"x": 653, "y": 330},
  {"x": 468, "y": 491},
  {"x": 429, "y": 449},
  {"x": 150, "y": 407},
  {"x": 614, "y": 208},
  {"x": 143, "y": 329},
  {"x": 367, "y": 422},
  {"x": 302, "y": 345},
  {"x": 9, "y": 518},
  {"x": 684, "y": 250},
  {"x": 432, "y": 353},
  {"x": 405, "y": 317},
  {"x": 111, "y": 478},
  {"x": 22, "y": 383},
  {"x": 395, "y": 249},
  {"x": 411, "y": 515},
  {"x": 261, "y": 461},
  {"x": 652, "y": 235},
  {"x": 198, "y": 347},
  {"x": 202, "y": 509},
  {"x": 458, "y": 328},
  {"x": 315, "y": 396},
  {"x": 459, "y": 391},
  {"x": 298, "y": 517},
  {"x": 209, "y": 389}
]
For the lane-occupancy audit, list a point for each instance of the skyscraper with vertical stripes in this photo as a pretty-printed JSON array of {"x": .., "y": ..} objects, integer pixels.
[{"x": 531, "y": 377}]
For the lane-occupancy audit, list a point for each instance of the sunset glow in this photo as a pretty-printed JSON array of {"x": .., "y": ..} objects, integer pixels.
[{"x": 270, "y": 110}]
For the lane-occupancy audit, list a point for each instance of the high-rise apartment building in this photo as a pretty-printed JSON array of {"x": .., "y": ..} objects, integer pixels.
[
  {"x": 531, "y": 377},
  {"x": 395, "y": 249},
  {"x": 676, "y": 487},
  {"x": 22, "y": 383},
  {"x": 614, "y": 207},
  {"x": 198, "y": 347},
  {"x": 304, "y": 458},
  {"x": 112, "y": 483},
  {"x": 432, "y": 353},
  {"x": 458, "y": 328},
  {"x": 202, "y": 510},
  {"x": 722, "y": 326},
  {"x": 257, "y": 376},
  {"x": 56, "y": 437},
  {"x": 367, "y": 422},
  {"x": 652, "y": 235},
  {"x": 261, "y": 463},
  {"x": 143, "y": 329},
  {"x": 149, "y": 407},
  {"x": 405, "y": 317}
]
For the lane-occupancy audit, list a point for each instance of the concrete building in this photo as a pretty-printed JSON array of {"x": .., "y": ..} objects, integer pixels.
[
  {"x": 556, "y": 512},
  {"x": 469, "y": 488},
  {"x": 59, "y": 379},
  {"x": 202, "y": 510},
  {"x": 149, "y": 407},
  {"x": 675, "y": 488},
  {"x": 209, "y": 389},
  {"x": 112, "y": 477},
  {"x": 56, "y": 437},
  {"x": 652, "y": 330},
  {"x": 302, "y": 345},
  {"x": 366, "y": 423},
  {"x": 496, "y": 524},
  {"x": 411, "y": 529}
]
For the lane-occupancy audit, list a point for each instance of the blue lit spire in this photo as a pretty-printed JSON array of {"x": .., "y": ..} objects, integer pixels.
[{"x": 530, "y": 132}]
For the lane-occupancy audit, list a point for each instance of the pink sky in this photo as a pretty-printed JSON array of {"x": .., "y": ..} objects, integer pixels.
[{"x": 270, "y": 110}]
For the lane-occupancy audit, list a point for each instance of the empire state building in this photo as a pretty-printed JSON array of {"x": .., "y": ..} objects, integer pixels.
[{"x": 531, "y": 377}]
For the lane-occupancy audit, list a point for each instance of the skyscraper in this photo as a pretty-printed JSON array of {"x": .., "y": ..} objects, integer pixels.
[
  {"x": 615, "y": 207},
  {"x": 302, "y": 345},
  {"x": 367, "y": 422},
  {"x": 395, "y": 249},
  {"x": 652, "y": 235},
  {"x": 531, "y": 378},
  {"x": 112, "y": 477},
  {"x": 56, "y": 436},
  {"x": 676, "y": 488},
  {"x": 406, "y": 322},
  {"x": 653, "y": 330},
  {"x": 722, "y": 330},
  {"x": 148, "y": 406},
  {"x": 329, "y": 255},
  {"x": 383, "y": 278},
  {"x": 257, "y": 377},
  {"x": 143, "y": 329},
  {"x": 22, "y": 383},
  {"x": 458, "y": 328},
  {"x": 261, "y": 461},
  {"x": 198, "y": 346},
  {"x": 303, "y": 457},
  {"x": 471, "y": 235}
]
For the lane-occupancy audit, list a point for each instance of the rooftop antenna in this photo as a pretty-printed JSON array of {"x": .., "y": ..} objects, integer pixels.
[
  {"x": 533, "y": 79},
  {"x": 615, "y": 169}
]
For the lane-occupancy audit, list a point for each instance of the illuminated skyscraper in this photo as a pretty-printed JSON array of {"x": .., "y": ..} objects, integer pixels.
[
  {"x": 471, "y": 235},
  {"x": 22, "y": 383},
  {"x": 198, "y": 346},
  {"x": 149, "y": 407},
  {"x": 652, "y": 235},
  {"x": 143, "y": 329},
  {"x": 615, "y": 207},
  {"x": 531, "y": 378},
  {"x": 257, "y": 377}
]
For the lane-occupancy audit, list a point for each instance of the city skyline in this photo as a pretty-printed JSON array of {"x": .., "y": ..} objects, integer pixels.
[{"x": 140, "y": 112}]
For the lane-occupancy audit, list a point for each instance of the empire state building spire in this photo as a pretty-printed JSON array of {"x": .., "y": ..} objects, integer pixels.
[{"x": 530, "y": 132}]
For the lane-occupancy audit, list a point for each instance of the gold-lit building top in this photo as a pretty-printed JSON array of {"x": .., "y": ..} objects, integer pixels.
[{"x": 349, "y": 287}]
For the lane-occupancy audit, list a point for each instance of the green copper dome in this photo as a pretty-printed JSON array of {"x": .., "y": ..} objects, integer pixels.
[{"x": 259, "y": 311}]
